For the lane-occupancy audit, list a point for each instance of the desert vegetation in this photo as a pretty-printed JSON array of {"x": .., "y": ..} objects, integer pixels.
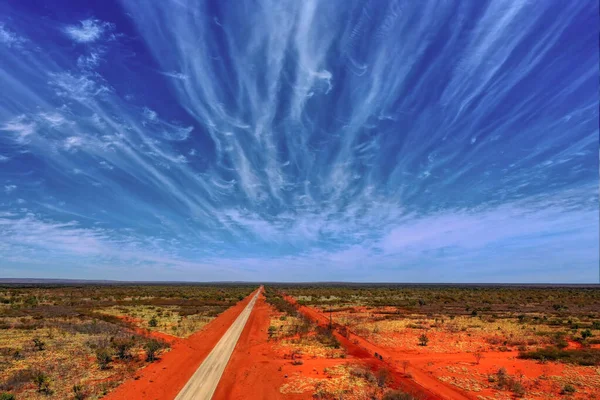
[
  {"x": 324, "y": 370},
  {"x": 486, "y": 341},
  {"x": 80, "y": 342}
]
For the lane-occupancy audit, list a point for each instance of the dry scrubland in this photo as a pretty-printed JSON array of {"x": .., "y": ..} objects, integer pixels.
[
  {"x": 488, "y": 342},
  {"x": 324, "y": 369},
  {"x": 69, "y": 342},
  {"x": 480, "y": 343}
]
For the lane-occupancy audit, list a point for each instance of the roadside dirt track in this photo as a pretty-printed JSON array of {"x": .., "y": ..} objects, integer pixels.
[{"x": 422, "y": 385}]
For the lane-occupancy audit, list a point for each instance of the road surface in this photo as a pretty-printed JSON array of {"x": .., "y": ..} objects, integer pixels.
[{"x": 203, "y": 383}]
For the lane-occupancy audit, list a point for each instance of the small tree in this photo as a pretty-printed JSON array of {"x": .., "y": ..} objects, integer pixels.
[
  {"x": 79, "y": 392},
  {"x": 405, "y": 365},
  {"x": 586, "y": 334},
  {"x": 39, "y": 344},
  {"x": 423, "y": 340},
  {"x": 153, "y": 323},
  {"x": 42, "y": 381},
  {"x": 382, "y": 376},
  {"x": 478, "y": 356},
  {"x": 152, "y": 347},
  {"x": 123, "y": 346},
  {"x": 568, "y": 389},
  {"x": 104, "y": 357}
]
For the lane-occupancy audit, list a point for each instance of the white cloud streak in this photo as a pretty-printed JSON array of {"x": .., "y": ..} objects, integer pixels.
[{"x": 88, "y": 30}]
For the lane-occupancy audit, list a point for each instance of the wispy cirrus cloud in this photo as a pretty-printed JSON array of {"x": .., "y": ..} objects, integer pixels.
[
  {"x": 10, "y": 38},
  {"x": 20, "y": 127},
  {"x": 301, "y": 141},
  {"x": 10, "y": 188},
  {"x": 88, "y": 30}
]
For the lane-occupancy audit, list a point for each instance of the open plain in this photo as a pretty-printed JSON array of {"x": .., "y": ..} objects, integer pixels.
[{"x": 299, "y": 342}]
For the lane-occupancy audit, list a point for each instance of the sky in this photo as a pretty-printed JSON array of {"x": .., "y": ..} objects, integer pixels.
[{"x": 314, "y": 140}]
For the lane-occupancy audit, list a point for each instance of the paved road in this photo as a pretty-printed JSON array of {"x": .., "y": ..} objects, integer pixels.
[{"x": 203, "y": 383}]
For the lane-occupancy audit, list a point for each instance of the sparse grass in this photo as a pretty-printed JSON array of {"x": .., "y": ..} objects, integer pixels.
[
  {"x": 295, "y": 334},
  {"x": 81, "y": 353},
  {"x": 310, "y": 346},
  {"x": 161, "y": 319},
  {"x": 481, "y": 321},
  {"x": 397, "y": 395},
  {"x": 403, "y": 331},
  {"x": 351, "y": 382}
]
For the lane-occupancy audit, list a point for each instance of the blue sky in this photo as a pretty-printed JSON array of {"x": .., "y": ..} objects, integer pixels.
[{"x": 436, "y": 141}]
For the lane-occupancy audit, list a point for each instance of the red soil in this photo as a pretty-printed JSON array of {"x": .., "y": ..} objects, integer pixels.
[
  {"x": 423, "y": 385},
  {"x": 165, "y": 378},
  {"x": 256, "y": 370},
  {"x": 457, "y": 375},
  {"x": 258, "y": 367}
]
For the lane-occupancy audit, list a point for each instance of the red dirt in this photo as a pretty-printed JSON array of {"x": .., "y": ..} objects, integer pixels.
[
  {"x": 164, "y": 378},
  {"x": 259, "y": 367},
  {"x": 255, "y": 370},
  {"x": 422, "y": 384},
  {"x": 443, "y": 372}
]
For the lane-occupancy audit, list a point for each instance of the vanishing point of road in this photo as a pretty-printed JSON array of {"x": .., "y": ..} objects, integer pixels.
[{"x": 203, "y": 383}]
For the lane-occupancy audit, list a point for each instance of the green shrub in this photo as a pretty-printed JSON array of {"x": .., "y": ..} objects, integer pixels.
[
  {"x": 79, "y": 392},
  {"x": 103, "y": 357},
  {"x": 42, "y": 381},
  {"x": 506, "y": 382},
  {"x": 568, "y": 389},
  {"x": 586, "y": 334},
  {"x": 7, "y": 396},
  {"x": 123, "y": 346},
  {"x": 326, "y": 338},
  {"x": 152, "y": 347},
  {"x": 39, "y": 344},
  {"x": 585, "y": 357},
  {"x": 382, "y": 376},
  {"x": 423, "y": 340},
  {"x": 397, "y": 395}
]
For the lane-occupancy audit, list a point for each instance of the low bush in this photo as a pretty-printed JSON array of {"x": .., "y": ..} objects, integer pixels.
[
  {"x": 506, "y": 382},
  {"x": 103, "y": 357},
  {"x": 79, "y": 392},
  {"x": 361, "y": 372},
  {"x": 568, "y": 389},
  {"x": 42, "y": 381},
  {"x": 326, "y": 338},
  {"x": 586, "y": 357},
  {"x": 122, "y": 346},
  {"x": 397, "y": 395},
  {"x": 382, "y": 376},
  {"x": 39, "y": 344},
  {"x": 152, "y": 347}
]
